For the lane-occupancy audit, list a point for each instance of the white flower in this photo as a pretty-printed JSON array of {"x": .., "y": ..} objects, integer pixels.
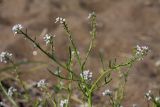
[
  {"x": 148, "y": 95},
  {"x": 141, "y": 51},
  {"x": 16, "y": 28},
  {"x": 90, "y": 15},
  {"x": 107, "y": 92},
  {"x": 60, "y": 20},
  {"x": 42, "y": 83},
  {"x": 48, "y": 38},
  {"x": 63, "y": 102},
  {"x": 87, "y": 75},
  {"x": 11, "y": 91},
  {"x": 5, "y": 57}
]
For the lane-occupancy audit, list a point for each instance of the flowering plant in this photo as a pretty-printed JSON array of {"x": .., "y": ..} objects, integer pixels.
[{"x": 83, "y": 81}]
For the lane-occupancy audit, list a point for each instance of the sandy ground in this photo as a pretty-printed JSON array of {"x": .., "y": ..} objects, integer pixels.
[{"x": 121, "y": 24}]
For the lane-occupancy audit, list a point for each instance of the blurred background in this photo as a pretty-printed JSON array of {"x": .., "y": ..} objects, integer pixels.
[{"x": 121, "y": 25}]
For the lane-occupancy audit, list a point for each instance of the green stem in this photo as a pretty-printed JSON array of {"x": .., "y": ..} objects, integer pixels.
[
  {"x": 90, "y": 99},
  {"x": 112, "y": 101},
  {"x": 93, "y": 34},
  {"x": 54, "y": 103},
  {"x": 89, "y": 50},
  {"x": 74, "y": 48},
  {"x": 72, "y": 42},
  {"x": 49, "y": 95}
]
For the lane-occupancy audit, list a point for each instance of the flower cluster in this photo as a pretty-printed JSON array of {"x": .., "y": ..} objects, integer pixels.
[
  {"x": 16, "y": 28},
  {"x": 5, "y": 57},
  {"x": 148, "y": 95},
  {"x": 107, "y": 92},
  {"x": 60, "y": 20},
  {"x": 48, "y": 39},
  {"x": 11, "y": 91},
  {"x": 42, "y": 83},
  {"x": 63, "y": 102},
  {"x": 86, "y": 75},
  {"x": 141, "y": 51}
]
